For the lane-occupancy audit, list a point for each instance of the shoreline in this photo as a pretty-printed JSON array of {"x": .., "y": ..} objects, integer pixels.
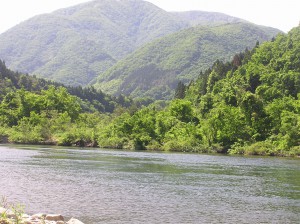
[
  {"x": 207, "y": 152},
  {"x": 15, "y": 215}
]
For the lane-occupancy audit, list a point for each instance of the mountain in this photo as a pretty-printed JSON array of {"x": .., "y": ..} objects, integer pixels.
[
  {"x": 75, "y": 44},
  {"x": 206, "y": 18},
  {"x": 248, "y": 105},
  {"x": 155, "y": 69}
]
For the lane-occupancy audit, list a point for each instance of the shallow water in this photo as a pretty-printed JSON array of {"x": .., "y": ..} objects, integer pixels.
[{"x": 110, "y": 186}]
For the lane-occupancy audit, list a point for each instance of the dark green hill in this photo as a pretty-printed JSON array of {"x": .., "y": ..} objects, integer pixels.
[{"x": 155, "y": 69}]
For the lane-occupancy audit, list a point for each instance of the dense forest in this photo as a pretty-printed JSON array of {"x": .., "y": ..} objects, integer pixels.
[
  {"x": 250, "y": 105},
  {"x": 74, "y": 45},
  {"x": 155, "y": 68},
  {"x": 90, "y": 99}
]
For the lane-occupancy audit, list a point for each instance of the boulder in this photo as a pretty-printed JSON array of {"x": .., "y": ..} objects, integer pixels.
[
  {"x": 54, "y": 217},
  {"x": 60, "y": 222},
  {"x": 38, "y": 216},
  {"x": 74, "y": 221}
]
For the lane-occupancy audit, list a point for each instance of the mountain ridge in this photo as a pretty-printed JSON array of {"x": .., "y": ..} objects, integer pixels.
[
  {"x": 73, "y": 45},
  {"x": 157, "y": 67}
]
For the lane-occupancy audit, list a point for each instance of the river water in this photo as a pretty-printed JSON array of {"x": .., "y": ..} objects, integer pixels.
[{"x": 110, "y": 186}]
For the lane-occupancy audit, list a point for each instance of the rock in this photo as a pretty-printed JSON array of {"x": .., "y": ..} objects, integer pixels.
[
  {"x": 8, "y": 213},
  {"x": 54, "y": 217},
  {"x": 2, "y": 210},
  {"x": 25, "y": 216},
  {"x": 60, "y": 222},
  {"x": 31, "y": 222},
  {"x": 74, "y": 221},
  {"x": 38, "y": 216}
]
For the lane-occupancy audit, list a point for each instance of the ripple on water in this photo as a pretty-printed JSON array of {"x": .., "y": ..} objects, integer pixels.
[{"x": 107, "y": 186}]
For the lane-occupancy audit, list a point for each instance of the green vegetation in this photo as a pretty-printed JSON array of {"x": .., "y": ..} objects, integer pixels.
[
  {"x": 73, "y": 45},
  {"x": 90, "y": 99},
  {"x": 76, "y": 44},
  {"x": 11, "y": 213},
  {"x": 250, "y": 105},
  {"x": 155, "y": 69}
]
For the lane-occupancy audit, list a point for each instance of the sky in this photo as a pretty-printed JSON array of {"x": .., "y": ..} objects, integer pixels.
[{"x": 281, "y": 14}]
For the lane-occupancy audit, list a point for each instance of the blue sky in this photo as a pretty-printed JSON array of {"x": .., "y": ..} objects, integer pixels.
[{"x": 280, "y": 14}]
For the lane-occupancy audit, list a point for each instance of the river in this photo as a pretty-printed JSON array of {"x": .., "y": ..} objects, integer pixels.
[{"x": 110, "y": 186}]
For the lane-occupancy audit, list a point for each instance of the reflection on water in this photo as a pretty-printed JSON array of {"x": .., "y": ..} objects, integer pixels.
[{"x": 107, "y": 186}]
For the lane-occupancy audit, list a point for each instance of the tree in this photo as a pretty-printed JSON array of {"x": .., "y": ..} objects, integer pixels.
[
  {"x": 182, "y": 110},
  {"x": 180, "y": 91}
]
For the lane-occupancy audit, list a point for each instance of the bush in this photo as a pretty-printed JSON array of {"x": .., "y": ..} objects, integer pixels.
[
  {"x": 29, "y": 136},
  {"x": 111, "y": 142},
  {"x": 66, "y": 139},
  {"x": 258, "y": 148},
  {"x": 294, "y": 151},
  {"x": 154, "y": 145}
]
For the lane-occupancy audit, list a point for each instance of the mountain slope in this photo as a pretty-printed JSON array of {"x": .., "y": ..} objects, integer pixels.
[
  {"x": 250, "y": 105},
  {"x": 155, "y": 69},
  {"x": 72, "y": 45},
  {"x": 206, "y": 18},
  {"x": 75, "y": 44}
]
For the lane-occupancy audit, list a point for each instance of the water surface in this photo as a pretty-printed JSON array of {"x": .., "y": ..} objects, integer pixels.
[{"x": 110, "y": 186}]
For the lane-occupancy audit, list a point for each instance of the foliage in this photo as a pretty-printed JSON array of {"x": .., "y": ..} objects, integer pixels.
[
  {"x": 91, "y": 100},
  {"x": 13, "y": 212},
  {"x": 249, "y": 106},
  {"x": 75, "y": 44},
  {"x": 155, "y": 69}
]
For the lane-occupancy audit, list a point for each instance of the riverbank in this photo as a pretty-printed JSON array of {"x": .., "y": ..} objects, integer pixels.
[
  {"x": 255, "y": 149},
  {"x": 14, "y": 216}
]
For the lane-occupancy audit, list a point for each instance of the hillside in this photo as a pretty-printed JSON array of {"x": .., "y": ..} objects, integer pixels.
[
  {"x": 249, "y": 105},
  {"x": 206, "y": 18},
  {"x": 90, "y": 99},
  {"x": 155, "y": 69},
  {"x": 75, "y": 44}
]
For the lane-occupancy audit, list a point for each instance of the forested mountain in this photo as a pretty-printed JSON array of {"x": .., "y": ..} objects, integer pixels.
[
  {"x": 250, "y": 105},
  {"x": 155, "y": 69},
  {"x": 89, "y": 98},
  {"x": 75, "y": 44}
]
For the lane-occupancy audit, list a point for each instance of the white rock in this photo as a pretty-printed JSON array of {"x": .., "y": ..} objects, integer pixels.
[
  {"x": 74, "y": 221},
  {"x": 60, "y": 222}
]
